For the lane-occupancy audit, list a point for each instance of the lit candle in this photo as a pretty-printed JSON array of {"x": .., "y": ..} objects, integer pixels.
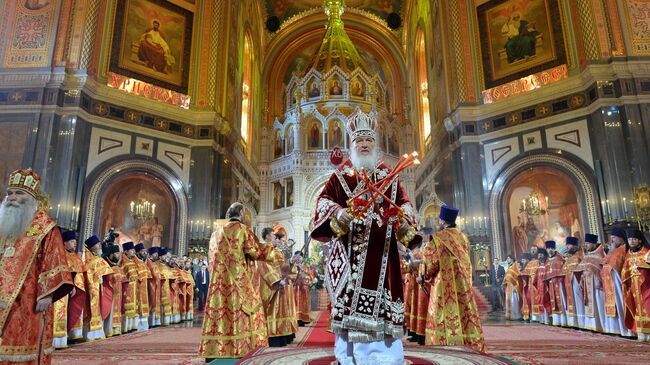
[
  {"x": 609, "y": 213},
  {"x": 474, "y": 219},
  {"x": 153, "y": 209},
  {"x": 132, "y": 206},
  {"x": 72, "y": 215},
  {"x": 485, "y": 222},
  {"x": 191, "y": 229},
  {"x": 58, "y": 206},
  {"x": 625, "y": 207},
  {"x": 202, "y": 229},
  {"x": 523, "y": 201},
  {"x": 546, "y": 198}
]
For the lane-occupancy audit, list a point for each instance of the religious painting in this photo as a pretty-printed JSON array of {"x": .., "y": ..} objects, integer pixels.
[
  {"x": 151, "y": 42},
  {"x": 542, "y": 206},
  {"x": 357, "y": 88},
  {"x": 335, "y": 87},
  {"x": 288, "y": 136},
  {"x": 278, "y": 144},
  {"x": 519, "y": 38},
  {"x": 314, "y": 89},
  {"x": 314, "y": 136},
  {"x": 289, "y": 188},
  {"x": 379, "y": 96},
  {"x": 278, "y": 195},
  {"x": 140, "y": 208},
  {"x": 335, "y": 135}
]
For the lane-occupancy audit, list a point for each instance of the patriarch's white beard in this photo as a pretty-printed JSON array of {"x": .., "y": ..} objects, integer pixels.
[
  {"x": 368, "y": 162},
  {"x": 15, "y": 218}
]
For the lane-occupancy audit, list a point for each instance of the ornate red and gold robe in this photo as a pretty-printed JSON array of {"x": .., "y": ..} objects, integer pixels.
[
  {"x": 153, "y": 284},
  {"x": 554, "y": 279},
  {"x": 119, "y": 282},
  {"x": 68, "y": 323},
  {"x": 513, "y": 292},
  {"x": 542, "y": 299},
  {"x": 144, "y": 275},
  {"x": 233, "y": 320},
  {"x": 180, "y": 294},
  {"x": 423, "y": 297},
  {"x": 592, "y": 289},
  {"x": 100, "y": 296},
  {"x": 362, "y": 273},
  {"x": 613, "y": 291},
  {"x": 570, "y": 264},
  {"x": 189, "y": 295},
  {"x": 304, "y": 278},
  {"x": 166, "y": 280},
  {"x": 270, "y": 274},
  {"x": 636, "y": 292},
  {"x": 31, "y": 268},
  {"x": 453, "y": 315},
  {"x": 130, "y": 295},
  {"x": 529, "y": 293}
]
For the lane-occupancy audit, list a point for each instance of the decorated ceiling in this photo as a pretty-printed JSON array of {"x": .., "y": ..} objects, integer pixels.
[{"x": 285, "y": 9}]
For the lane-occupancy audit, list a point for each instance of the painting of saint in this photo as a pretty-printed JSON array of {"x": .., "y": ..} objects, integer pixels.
[
  {"x": 278, "y": 198},
  {"x": 357, "y": 88},
  {"x": 277, "y": 146},
  {"x": 335, "y": 88},
  {"x": 315, "y": 136},
  {"x": 521, "y": 38},
  {"x": 289, "y": 184},
  {"x": 152, "y": 43},
  {"x": 393, "y": 144},
  {"x": 334, "y": 135},
  {"x": 289, "y": 137},
  {"x": 519, "y": 237},
  {"x": 314, "y": 91}
]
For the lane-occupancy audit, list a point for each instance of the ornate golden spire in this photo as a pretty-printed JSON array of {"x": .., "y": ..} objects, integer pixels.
[{"x": 336, "y": 48}]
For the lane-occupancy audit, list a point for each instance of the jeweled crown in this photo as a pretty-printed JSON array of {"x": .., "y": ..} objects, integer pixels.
[
  {"x": 361, "y": 124},
  {"x": 26, "y": 180}
]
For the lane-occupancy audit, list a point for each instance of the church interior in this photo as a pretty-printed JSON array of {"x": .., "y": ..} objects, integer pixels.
[{"x": 146, "y": 119}]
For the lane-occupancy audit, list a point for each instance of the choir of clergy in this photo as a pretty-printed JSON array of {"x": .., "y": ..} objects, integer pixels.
[
  {"x": 597, "y": 287},
  {"x": 120, "y": 289}
]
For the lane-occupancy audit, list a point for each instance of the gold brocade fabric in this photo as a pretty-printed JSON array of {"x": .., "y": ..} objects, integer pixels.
[
  {"x": 635, "y": 276},
  {"x": 527, "y": 277},
  {"x": 119, "y": 282},
  {"x": 511, "y": 281},
  {"x": 130, "y": 298},
  {"x": 77, "y": 269},
  {"x": 569, "y": 267},
  {"x": 153, "y": 284},
  {"x": 303, "y": 300},
  {"x": 97, "y": 269},
  {"x": 233, "y": 320},
  {"x": 453, "y": 315},
  {"x": 143, "y": 287},
  {"x": 554, "y": 277},
  {"x": 165, "y": 289}
]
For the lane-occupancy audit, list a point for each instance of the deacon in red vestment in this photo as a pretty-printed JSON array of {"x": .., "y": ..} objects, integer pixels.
[
  {"x": 68, "y": 323},
  {"x": 453, "y": 317},
  {"x": 542, "y": 299},
  {"x": 555, "y": 282},
  {"x": 363, "y": 277},
  {"x": 33, "y": 272},
  {"x": 636, "y": 285},
  {"x": 574, "y": 303},
  {"x": 612, "y": 285},
  {"x": 153, "y": 283},
  {"x": 590, "y": 284}
]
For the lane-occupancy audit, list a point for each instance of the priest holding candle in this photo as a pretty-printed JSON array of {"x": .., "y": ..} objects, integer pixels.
[{"x": 365, "y": 214}]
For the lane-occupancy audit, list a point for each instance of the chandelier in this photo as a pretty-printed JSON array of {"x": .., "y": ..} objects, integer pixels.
[
  {"x": 142, "y": 209},
  {"x": 533, "y": 206}
]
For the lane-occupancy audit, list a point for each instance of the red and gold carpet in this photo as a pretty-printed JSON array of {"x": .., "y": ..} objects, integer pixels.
[{"x": 514, "y": 343}]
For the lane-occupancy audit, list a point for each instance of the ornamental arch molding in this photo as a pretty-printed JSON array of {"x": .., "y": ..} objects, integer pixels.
[
  {"x": 102, "y": 177},
  {"x": 575, "y": 170}
]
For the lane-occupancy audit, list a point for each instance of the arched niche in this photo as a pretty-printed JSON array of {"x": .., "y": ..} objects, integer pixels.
[
  {"x": 122, "y": 180},
  {"x": 571, "y": 191}
]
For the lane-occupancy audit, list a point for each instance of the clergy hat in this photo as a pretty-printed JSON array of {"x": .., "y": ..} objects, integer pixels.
[
  {"x": 591, "y": 238},
  {"x": 27, "y": 181},
  {"x": 572, "y": 241},
  {"x": 112, "y": 249},
  {"x": 361, "y": 124},
  {"x": 448, "y": 214},
  {"x": 550, "y": 244},
  {"x": 69, "y": 235},
  {"x": 527, "y": 256},
  {"x": 127, "y": 246},
  {"x": 90, "y": 242},
  {"x": 618, "y": 232},
  {"x": 635, "y": 233},
  {"x": 153, "y": 250},
  {"x": 163, "y": 251},
  {"x": 139, "y": 246}
]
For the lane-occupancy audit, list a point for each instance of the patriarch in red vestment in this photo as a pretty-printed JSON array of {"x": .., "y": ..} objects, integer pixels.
[{"x": 34, "y": 272}]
